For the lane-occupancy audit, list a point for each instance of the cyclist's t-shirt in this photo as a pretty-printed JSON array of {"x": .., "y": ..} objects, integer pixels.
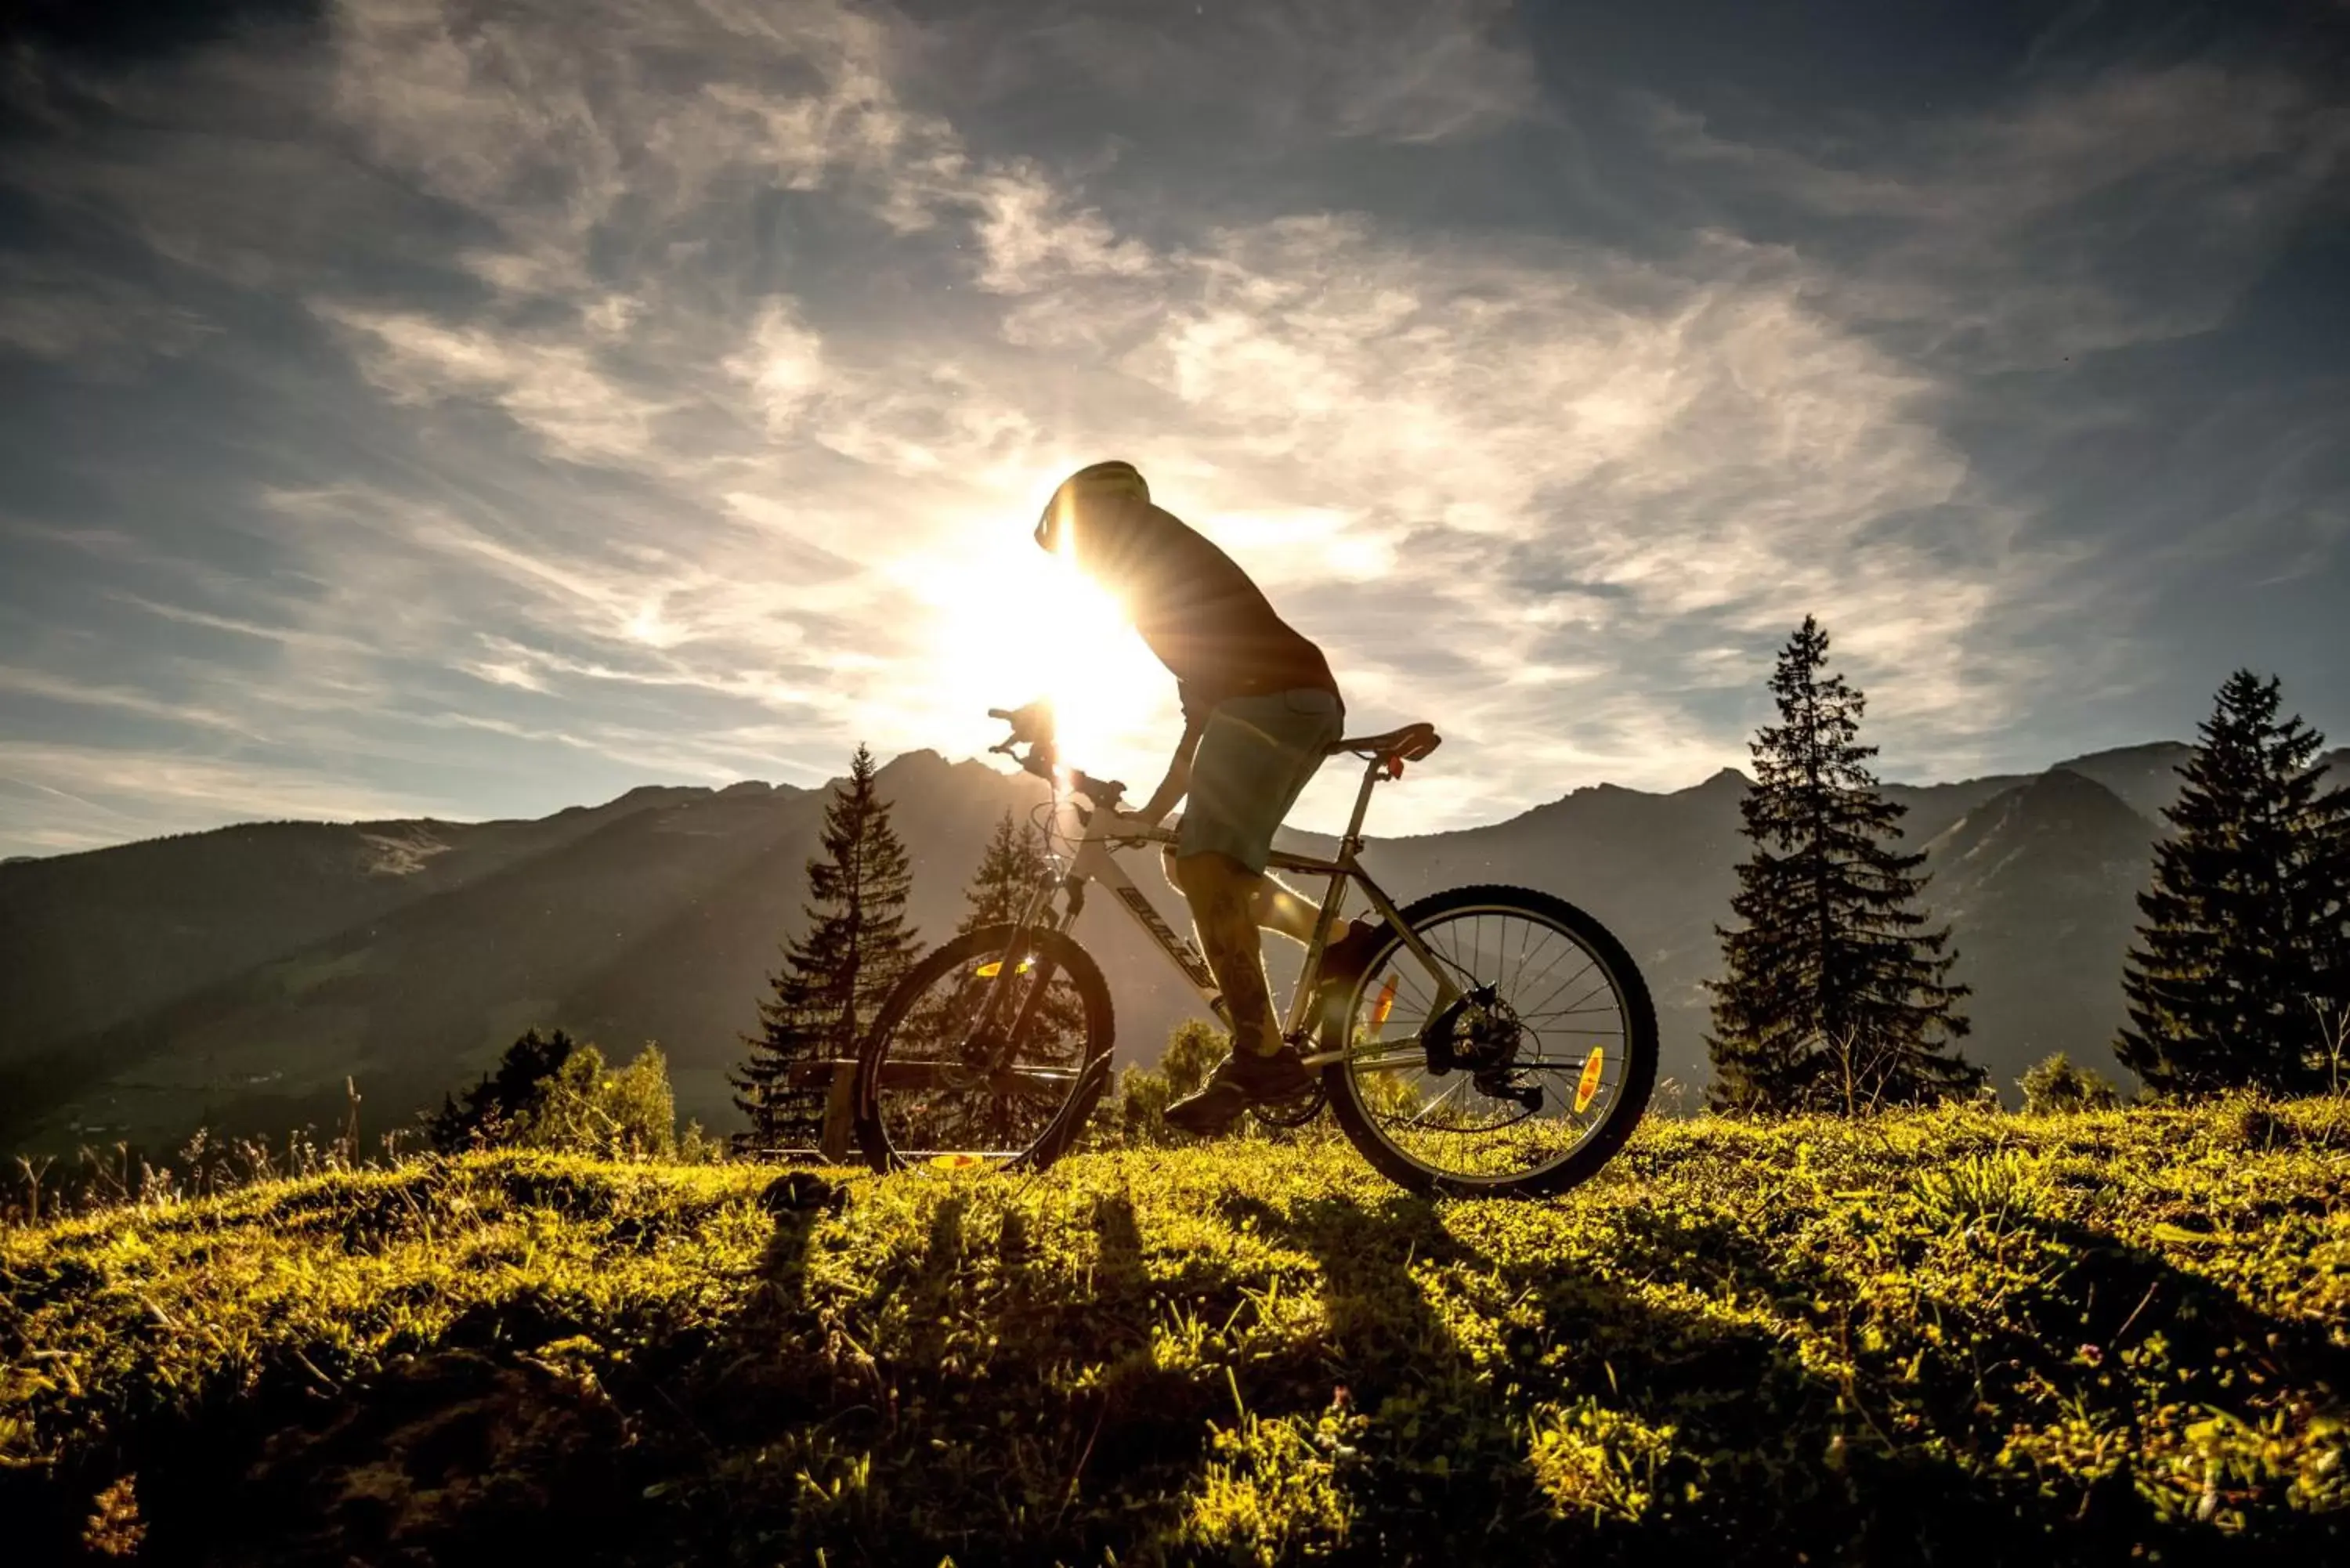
[{"x": 1197, "y": 609}]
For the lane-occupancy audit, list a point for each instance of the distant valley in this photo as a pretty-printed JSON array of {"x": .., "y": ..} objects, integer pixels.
[{"x": 236, "y": 979}]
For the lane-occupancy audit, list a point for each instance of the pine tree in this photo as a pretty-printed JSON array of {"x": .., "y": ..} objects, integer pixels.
[
  {"x": 1008, "y": 873},
  {"x": 1835, "y": 994},
  {"x": 834, "y": 976},
  {"x": 2242, "y": 970}
]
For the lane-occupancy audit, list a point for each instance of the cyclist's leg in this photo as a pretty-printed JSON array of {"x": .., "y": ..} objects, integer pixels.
[
  {"x": 1282, "y": 910},
  {"x": 1254, "y": 760},
  {"x": 1273, "y": 906},
  {"x": 1217, "y": 888}
]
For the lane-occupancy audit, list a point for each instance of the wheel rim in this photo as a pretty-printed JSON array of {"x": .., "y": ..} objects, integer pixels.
[
  {"x": 951, "y": 1092},
  {"x": 1543, "y": 1009}
]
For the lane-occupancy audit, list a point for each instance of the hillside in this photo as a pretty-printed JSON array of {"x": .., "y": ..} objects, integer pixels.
[
  {"x": 656, "y": 917},
  {"x": 1928, "y": 1337},
  {"x": 236, "y": 977},
  {"x": 2042, "y": 881},
  {"x": 91, "y": 940}
]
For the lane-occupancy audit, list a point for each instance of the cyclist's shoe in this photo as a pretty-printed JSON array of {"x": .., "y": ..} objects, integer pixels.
[{"x": 1245, "y": 1078}]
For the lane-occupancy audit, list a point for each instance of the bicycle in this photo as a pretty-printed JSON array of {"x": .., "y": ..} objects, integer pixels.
[{"x": 1435, "y": 1020}]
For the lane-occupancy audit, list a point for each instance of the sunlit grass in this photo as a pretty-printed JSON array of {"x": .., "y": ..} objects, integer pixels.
[{"x": 2049, "y": 1337}]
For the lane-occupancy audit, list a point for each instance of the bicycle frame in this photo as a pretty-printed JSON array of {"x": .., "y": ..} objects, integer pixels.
[{"x": 1095, "y": 860}]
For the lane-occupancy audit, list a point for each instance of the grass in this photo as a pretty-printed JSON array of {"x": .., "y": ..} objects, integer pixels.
[{"x": 1934, "y": 1337}]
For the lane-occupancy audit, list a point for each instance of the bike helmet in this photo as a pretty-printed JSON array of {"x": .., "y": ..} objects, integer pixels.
[{"x": 1100, "y": 482}]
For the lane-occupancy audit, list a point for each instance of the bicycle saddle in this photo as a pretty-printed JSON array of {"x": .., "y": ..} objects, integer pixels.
[{"x": 1394, "y": 748}]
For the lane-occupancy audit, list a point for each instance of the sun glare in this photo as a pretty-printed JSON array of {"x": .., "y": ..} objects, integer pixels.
[{"x": 1015, "y": 625}]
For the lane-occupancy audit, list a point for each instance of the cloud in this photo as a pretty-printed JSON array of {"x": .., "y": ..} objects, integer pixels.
[
  {"x": 554, "y": 390},
  {"x": 1697, "y": 442},
  {"x": 92, "y": 325},
  {"x": 2132, "y": 207},
  {"x": 782, "y": 364},
  {"x": 669, "y": 386},
  {"x": 1032, "y": 236},
  {"x": 91, "y": 795},
  {"x": 66, "y": 690},
  {"x": 1419, "y": 71}
]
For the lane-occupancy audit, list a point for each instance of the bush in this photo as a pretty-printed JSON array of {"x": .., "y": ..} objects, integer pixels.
[
  {"x": 2057, "y": 1086},
  {"x": 551, "y": 1092},
  {"x": 630, "y": 1114}
]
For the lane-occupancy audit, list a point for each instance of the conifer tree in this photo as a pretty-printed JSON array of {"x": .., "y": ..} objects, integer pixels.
[
  {"x": 835, "y": 975},
  {"x": 2241, "y": 969},
  {"x": 1008, "y": 873},
  {"x": 1835, "y": 994}
]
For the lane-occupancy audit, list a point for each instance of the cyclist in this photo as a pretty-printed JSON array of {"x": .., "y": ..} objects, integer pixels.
[{"x": 1260, "y": 710}]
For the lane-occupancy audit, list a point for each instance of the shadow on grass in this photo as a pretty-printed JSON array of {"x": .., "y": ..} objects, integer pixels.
[{"x": 970, "y": 1404}]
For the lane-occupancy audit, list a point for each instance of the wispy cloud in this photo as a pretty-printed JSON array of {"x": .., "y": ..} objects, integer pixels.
[
  {"x": 2133, "y": 206},
  {"x": 661, "y": 385},
  {"x": 81, "y": 797}
]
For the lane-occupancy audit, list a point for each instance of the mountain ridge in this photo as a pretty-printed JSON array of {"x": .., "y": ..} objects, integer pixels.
[{"x": 402, "y": 954}]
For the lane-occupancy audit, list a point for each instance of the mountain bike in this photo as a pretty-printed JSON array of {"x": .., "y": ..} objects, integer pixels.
[{"x": 1482, "y": 1041}]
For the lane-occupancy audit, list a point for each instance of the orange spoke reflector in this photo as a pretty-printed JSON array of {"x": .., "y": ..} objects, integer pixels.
[
  {"x": 955, "y": 1161},
  {"x": 1588, "y": 1085},
  {"x": 994, "y": 967},
  {"x": 1384, "y": 1005}
]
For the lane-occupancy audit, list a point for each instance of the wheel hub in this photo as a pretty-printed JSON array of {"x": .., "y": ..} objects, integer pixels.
[
  {"x": 1493, "y": 1035},
  {"x": 1478, "y": 1032}
]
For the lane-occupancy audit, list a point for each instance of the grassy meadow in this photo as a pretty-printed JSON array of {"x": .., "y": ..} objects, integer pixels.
[{"x": 1944, "y": 1336}]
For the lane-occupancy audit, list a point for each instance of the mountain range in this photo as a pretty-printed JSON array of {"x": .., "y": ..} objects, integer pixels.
[{"x": 237, "y": 979}]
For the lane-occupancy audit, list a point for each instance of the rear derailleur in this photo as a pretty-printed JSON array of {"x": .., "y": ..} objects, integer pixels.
[{"x": 1478, "y": 1034}]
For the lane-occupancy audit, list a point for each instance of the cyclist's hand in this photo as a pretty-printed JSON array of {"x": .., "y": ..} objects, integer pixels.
[{"x": 1138, "y": 820}]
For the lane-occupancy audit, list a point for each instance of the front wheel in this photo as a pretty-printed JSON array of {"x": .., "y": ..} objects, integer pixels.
[
  {"x": 1520, "y": 1076},
  {"x": 991, "y": 1051}
]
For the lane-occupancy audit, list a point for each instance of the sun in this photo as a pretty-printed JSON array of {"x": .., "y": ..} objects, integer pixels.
[{"x": 1010, "y": 626}]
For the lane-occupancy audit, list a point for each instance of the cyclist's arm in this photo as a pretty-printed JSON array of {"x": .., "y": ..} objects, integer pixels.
[{"x": 1178, "y": 772}]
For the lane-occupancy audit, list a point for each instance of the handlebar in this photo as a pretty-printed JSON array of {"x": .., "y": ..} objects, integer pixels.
[
  {"x": 1101, "y": 792},
  {"x": 1032, "y": 726}
]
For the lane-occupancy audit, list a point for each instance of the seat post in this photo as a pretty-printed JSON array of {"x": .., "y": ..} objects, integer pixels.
[{"x": 1353, "y": 841}]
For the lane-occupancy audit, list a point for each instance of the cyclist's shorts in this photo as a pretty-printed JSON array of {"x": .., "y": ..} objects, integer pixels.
[{"x": 1254, "y": 760}]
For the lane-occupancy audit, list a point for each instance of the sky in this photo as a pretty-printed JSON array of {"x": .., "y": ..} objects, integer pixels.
[{"x": 470, "y": 409}]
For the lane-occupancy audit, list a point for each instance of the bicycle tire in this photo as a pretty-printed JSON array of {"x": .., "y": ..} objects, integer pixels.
[
  {"x": 1340, "y": 994},
  {"x": 1059, "y": 954}
]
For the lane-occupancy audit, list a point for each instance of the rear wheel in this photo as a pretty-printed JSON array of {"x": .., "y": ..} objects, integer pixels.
[
  {"x": 989, "y": 1051},
  {"x": 1526, "y": 1082}
]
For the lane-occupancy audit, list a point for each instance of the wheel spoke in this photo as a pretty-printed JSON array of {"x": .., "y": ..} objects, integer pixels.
[
  {"x": 937, "y": 1084},
  {"x": 1543, "y": 1018}
]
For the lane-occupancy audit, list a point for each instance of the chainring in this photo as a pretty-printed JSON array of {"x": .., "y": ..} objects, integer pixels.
[{"x": 1294, "y": 1113}]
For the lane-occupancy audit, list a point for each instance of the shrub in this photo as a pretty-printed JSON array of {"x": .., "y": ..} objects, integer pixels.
[
  {"x": 586, "y": 1110},
  {"x": 551, "y": 1092},
  {"x": 2057, "y": 1085}
]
